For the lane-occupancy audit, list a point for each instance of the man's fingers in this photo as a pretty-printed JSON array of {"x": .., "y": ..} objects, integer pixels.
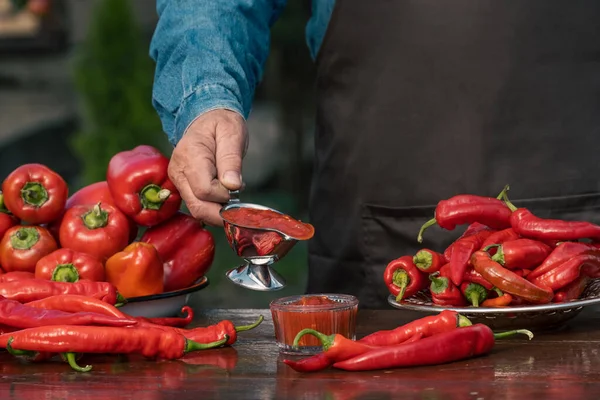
[
  {"x": 203, "y": 210},
  {"x": 231, "y": 143}
]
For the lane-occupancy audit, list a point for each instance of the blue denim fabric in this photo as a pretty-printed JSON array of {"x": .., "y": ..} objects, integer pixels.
[{"x": 211, "y": 54}]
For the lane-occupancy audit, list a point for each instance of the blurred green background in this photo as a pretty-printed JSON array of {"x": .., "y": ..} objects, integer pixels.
[{"x": 75, "y": 88}]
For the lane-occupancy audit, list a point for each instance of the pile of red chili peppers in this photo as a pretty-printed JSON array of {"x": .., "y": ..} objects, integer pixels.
[
  {"x": 431, "y": 340},
  {"x": 506, "y": 256}
]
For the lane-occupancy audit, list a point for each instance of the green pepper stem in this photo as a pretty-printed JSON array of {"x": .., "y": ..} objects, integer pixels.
[
  {"x": 326, "y": 341},
  {"x": 251, "y": 326},
  {"x": 153, "y": 196},
  {"x": 24, "y": 238},
  {"x": 426, "y": 225},
  {"x": 34, "y": 194},
  {"x": 423, "y": 260},
  {"x": 503, "y": 192},
  {"x": 190, "y": 345},
  {"x": 503, "y": 335},
  {"x": 438, "y": 284},
  {"x": 19, "y": 353},
  {"x": 2, "y": 205},
  {"x": 120, "y": 300},
  {"x": 498, "y": 291},
  {"x": 95, "y": 218},
  {"x": 474, "y": 299},
  {"x": 72, "y": 360},
  {"x": 510, "y": 205},
  {"x": 463, "y": 321},
  {"x": 491, "y": 246},
  {"x": 401, "y": 280},
  {"x": 65, "y": 273}
]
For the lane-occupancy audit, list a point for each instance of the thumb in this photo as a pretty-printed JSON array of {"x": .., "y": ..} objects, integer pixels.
[{"x": 231, "y": 141}]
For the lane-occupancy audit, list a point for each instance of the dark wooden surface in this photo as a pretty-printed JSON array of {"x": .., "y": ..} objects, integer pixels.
[{"x": 561, "y": 364}]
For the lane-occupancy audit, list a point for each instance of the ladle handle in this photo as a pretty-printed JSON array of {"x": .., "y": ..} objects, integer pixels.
[{"x": 234, "y": 196}]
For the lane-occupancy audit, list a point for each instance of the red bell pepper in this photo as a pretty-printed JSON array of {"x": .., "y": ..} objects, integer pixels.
[
  {"x": 136, "y": 271},
  {"x": 7, "y": 220},
  {"x": 444, "y": 292},
  {"x": 140, "y": 185},
  {"x": 100, "y": 231},
  {"x": 22, "y": 247},
  {"x": 66, "y": 265},
  {"x": 35, "y": 194},
  {"x": 91, "y": 194},
  {"x": 185, "y": 247},
  {"x": 403, "y": 278}
]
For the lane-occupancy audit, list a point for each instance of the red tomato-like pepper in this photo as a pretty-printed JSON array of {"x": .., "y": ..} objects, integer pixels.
[
  {"x": 136, "y": 271},
  {"x": 100, "y": 231},
  {"x": 7, "y": 220},
  {"x": 35, "y": 194},
  {"x": 91, "y": 194},
  {"x": 66, "y": 265},
  {"x": 185, "y": 247},
  {"x": 140, "y": 185},
  {"x": 22, "y": 247},
  {"x": 403, "y": 279}
]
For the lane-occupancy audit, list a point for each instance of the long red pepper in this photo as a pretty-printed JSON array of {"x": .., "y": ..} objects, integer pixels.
[
  {"x": 455, "y": 345},
  {"x": 218, "y": 330},
  {"x": 149, "y": 342},
  {"x": 467, "y": 209},
  {"x": 503, "y": 300},
  {"x": 173, "y": 322},
  {"x": 335, "y": 348},
  {"x": 403, "y": 278},
  {"x": 526, "y": 224},
  {"x": 461, "y": 254},
  {"x": 445, "y": 293},
  {"x": 520, "y": 253},
  {"x": 445, "y": 321},
  {"x": 470, "y": 276},
  {"x": 429, "y": 261},
  {"x": 499, "y": 237},
  {"x": 13, "y": 313},
  {"x": 471, "y": 230},
  {"x": 563, "y": 252},
  {"x": 28, "y": 290},
  {"x": 508, "y": 281},
  {"x": 573, "y": 290},
  {"x": 587, "y": 264}
]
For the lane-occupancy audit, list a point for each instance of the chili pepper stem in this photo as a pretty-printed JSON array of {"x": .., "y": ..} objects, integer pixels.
[
  {"x": 152, "y": 196},
  {"x": 504, "y": 192},
  {"x": 402, "y": 280},
  {"x": 503, "y": 335},
  {"x": 190, "y": 345},
  {"x": 423, "y": 260},
  {"x": 326, "y": 341},
  {"x": 474, "y": 300},
  {"x": 2, "y": 205},
  {"x": 34, "y": 194},
  {"x": 72, "y": 360},
  {"x": 25, "y": 238},
  {"x": 95, "y": 218},
  {"x": 426, "y": 225},
  {"x": 251, "y": 326},
  {"x": 120, "y": 300},
  {"x": 463, "y": 321},
  {"x": 65, "y": 273},
  {"x": 491, "y": 246},
  {"x": 19, "y": 353},
  {"x": 498, "y": 291},
  {"x": 510, "y": 205}
]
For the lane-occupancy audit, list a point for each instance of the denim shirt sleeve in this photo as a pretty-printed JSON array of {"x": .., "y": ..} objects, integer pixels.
[{"x": 209, "y": 54}]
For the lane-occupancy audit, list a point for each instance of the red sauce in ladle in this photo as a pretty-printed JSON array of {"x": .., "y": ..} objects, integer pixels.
[{"x": 269, "y": 219}]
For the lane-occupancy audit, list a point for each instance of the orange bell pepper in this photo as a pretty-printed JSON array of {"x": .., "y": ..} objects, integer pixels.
[{"x": 136, "y": 271}]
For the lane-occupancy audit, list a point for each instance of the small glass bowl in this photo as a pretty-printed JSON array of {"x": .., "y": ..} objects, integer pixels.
[{"x": 289, "y": 318}]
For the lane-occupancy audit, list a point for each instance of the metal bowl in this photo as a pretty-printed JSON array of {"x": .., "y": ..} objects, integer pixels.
[{"x": 533, "y": 317}]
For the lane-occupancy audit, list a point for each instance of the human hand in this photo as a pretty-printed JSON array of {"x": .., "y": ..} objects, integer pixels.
[{"x": 207, "y": 163}]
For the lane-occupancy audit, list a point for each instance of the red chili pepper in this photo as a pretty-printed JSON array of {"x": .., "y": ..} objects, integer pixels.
[
  {"x": 66, "y": 265},
  {"x": 467, "y": 209},
  {"x": 522, "y": 272},
  {"x": 474, "y": 293},
  {"x": 89, "y": 195},
  {"x": 520, "y": 253},
  {"x": 403, "y": 278},
  {"x": 499, "y": 237},
  {"x": 25, "y": 291},
  {"x": 526, "y": 224},
  {"x": 461, "y": 254},
  {"x": 76, "y": 303},
  {"x": 444, "y": 292},
  {"x": 172, "y": 322},
  {"x": 503, "y": 300},
  {"x": 217, "y": 331},
  {"x": 455, "y": 345},
  {"x": 587, "y": 264},
  {"x": 508, "y": 281},
  {"x": 431, "y": 325},
  {"x": 475, "y": 277},
  {"x": 140, "y": 185},
  {"x": 35, "y": 194},
  {"x": 13, "y": 313},
  {"x": 336, "y": 348},
  {"x": 573, "y": 290},
  {"x": 563, "y": 252},
  {"x": 16, "y": 276},
  {"x": 185, "y": 247},
  {"x": 100, "y": 231},
  {"x": 471, "y": 230},
  {"x": 22, "y": 246},
  {"x": 7, "y": 220},
  {"x": 429, "y": 261},
  {"x": 149, "y": 342}
]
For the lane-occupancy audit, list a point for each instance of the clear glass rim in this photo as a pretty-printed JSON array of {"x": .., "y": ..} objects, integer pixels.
[{"x": 343, "y": 302}]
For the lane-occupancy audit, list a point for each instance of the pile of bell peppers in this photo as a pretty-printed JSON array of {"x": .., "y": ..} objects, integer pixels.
[
  {"x": 506, "y": 256},
  {"x": 94, "y": 235}
]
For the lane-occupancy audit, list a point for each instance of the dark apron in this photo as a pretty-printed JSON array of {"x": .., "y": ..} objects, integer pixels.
[{"x": 421, "y": 100}]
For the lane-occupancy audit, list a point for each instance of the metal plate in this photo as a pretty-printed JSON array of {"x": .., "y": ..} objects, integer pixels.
[{"x": 534, "y": 317}]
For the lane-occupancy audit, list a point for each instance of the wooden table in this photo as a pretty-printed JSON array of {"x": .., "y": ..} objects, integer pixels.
[{"x": 562, "y": 364}]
